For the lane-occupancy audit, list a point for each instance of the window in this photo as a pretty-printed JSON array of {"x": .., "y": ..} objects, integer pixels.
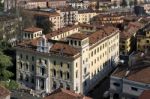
[
  {"x": 32, "y": 80},
  {"x": 45, "y": 61},
  {"x": 71, "y": 42},
  {"x": 68, "y": 87},
  {"x": 21, "y": 56},
  {"x": 54, "y": 85},
  {"x": 79, "y": 43},
  {"x": 61, "y": 64},
  {"x": 32, "y": 67},
  {"x": 85, "y": 83},
  {"x": 32, "y": 58},
  {"x": 75, "y": 42},
  {"x": 61, "y": 85},
  {"x": 27, "y": 57},
  {"x": 42, "y": 71},
  {"x": 54, "y": 72},
  {"x": 27, "y": 66},
  {"x": 77, "y": 74},
  {"x": 134, "y": 89},
  {"x": 84, "y": 70},
  {"x": 61, "y": 74},
  {"x": 116, "y": 84},
  {"x": 21, "y": 76},
  {"x": 27, "y": 78},
  {"x": 67, "y": 75},
  {"x": 92, "y": 53},
  {"x": 20, "y": 65},
  {"x": 147, "y": 41},
  {"x": 54, "y": 62},
  {"x": 95, "y": 51}
]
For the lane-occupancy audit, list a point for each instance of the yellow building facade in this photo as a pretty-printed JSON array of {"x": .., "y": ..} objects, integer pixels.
[{"x": 77, "y": 64}]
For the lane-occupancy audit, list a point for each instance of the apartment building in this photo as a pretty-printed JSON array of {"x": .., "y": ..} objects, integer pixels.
[
  {"x": 85, "y": 16},
  {"x": 32, "y": 4},
  {"x": 57, "y": 3},
  {"x": 73, "y": 62},
  {"x": 143, "y": 39},
  {"x": 105, "y": 19},
  {"x": 129, "y": 81},
  {"x": 48, "y": 14},
  {"x": 79, "y": 4},
  {"x": 68, "y": 15}
]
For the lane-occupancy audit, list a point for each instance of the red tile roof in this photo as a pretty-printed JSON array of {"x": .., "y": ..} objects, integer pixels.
[
  {"x": 4, "y": 92},
  {"x": 145, "y": 95},
  {"x": 63, "y": 49},
  {"x": 65, "y": 94},
  {"x": 32, "y": 29},
  {"x": 78, "y": 36}
]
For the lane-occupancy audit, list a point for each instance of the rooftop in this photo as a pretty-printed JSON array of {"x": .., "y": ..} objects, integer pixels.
[
  {"x": 32, "y": 29},
  {"x": 78, "y": 36},
  {"x": 4, "y": 92},
  {"x": 65, "y": 94},
  {"x": 145, "y": 95},
  {"x": 138, "y": 72}
]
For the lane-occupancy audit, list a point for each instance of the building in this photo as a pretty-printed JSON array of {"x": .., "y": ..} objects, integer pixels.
[
  {"x": 85, "y": 16},
  {"x": 32, "y": 4},
  {"x": 143, "y": 39},
  {"x": 79, "y": 4},
  {"x": 69, "y": 15},
  {"x": 65, "y": 94},
  {"x": 129, "y": 81},
  {"x": 73, "y": 62},
  {"x": 4, "y": 93},
  {"x": 10, "y": 28},
  {"x": 108, "y": 19},
  {"x": 48, "y": 15},
  {"x": 57, "y": 3},
  {"x": 145, "y": 94},
  {"x": 32, "y": 33}
]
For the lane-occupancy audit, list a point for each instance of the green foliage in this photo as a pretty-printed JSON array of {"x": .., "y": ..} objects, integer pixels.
[
  {"x": 131, "y": 3},
  {"x": 5, "y": 63},
  {"x": 135, "y": 2},
  {"x": 10, "y": 84},
  {"x": 45, "y": 24}
]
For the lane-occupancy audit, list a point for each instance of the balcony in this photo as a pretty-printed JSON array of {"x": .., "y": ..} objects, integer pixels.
[{"x": 41, "y": 75}]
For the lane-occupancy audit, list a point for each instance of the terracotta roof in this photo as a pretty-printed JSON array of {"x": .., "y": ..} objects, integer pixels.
[
  {"x": 32, "y": 29},
  {"x": 47, "y": 14},
  {"x": 138, "y": 72},
  {"x": 104, "y": 32},
  {"x": 63, "y": 49},
  {"x": 60, "y": 31},
  {"x": 38, "y": 1},
  {"x": 4, "y": 92},
  {"x": 78, "y": 36},
  {"x": 145, "y": 94},
  {"x": 65, "y": 94}
]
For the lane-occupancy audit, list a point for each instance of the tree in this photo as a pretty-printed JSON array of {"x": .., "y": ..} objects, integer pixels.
[
  {"x": 5, "y": 63},
  {"x": 44, "y": 23},
  {"x": 124, "y": 3}
]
